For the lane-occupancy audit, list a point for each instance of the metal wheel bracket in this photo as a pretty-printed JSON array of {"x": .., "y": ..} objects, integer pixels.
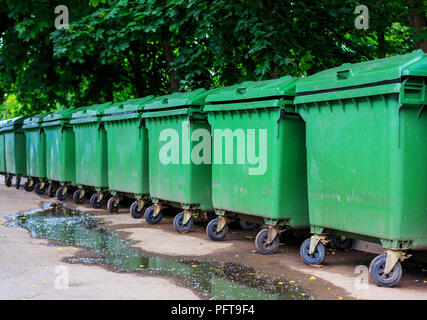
[
  {"x": 157, "y": 208},
  {"x": 100, "y": 196},
  {"x": 141, "y": 203},
  {"x": 272, "y": 234},
  {"x": 82, "y": 193},
  {"x": 222, "y": 222},
  {"x": 42, "y": 184},
  {"x": 30, "y": 183},
  {"x": 187, "y": 216},
  {"x": 392, "y": 257},
  {"x": 314, "y": 240},
  {"x": 64, "y": 190}
]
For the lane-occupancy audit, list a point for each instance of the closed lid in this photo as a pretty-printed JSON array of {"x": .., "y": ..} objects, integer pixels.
[
  {"x": 127, "y": 106},
  {"x": 178, "y": 99},
  {"x": 64, "y": 114},
  {"x": 250, "y": 90},
  {"x": 378, "y": 72},
  {"x": 93, "y": 111},
  {"x": 35, "y": 120}
]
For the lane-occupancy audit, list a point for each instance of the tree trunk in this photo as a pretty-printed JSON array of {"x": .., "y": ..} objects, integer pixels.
[
  {"x": 167, "y": 51},
  {"x": 418, "y": 20}
]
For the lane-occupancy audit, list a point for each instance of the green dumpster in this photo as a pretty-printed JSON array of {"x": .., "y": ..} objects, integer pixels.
[
  {"x": 259, "y": 159},
  {"x": 90, "y": 154},
  {"x": 35, "y": 154},
  {"x": 366, "y": 133},
  {"x": 60, "y": 152},
  {"x": 2, "y": 150},
  {"x": 14, "y": 146},
  {"x": 127, "y": 162},
  {"x": 179, "y": 165}
]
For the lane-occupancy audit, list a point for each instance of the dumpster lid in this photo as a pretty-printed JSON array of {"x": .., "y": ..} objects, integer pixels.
[
  {"x": 61, "y": 115},
  {"x": 178, "y": 99},
  {"x": 254, "y": 90},
  {"x": 9, "y": 124},
  {"x": 126, "y": 108},
  {"x": 90, "y": 113},
  {"x": 358, "y": 77},
  {"x": 34, "y": 121}
]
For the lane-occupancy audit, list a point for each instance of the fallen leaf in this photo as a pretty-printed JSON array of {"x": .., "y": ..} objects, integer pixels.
[
  {"x": 236, "y": 255},
  {"x": 339, "y": 298},
  {"x": 292, "y": 281},
  {"x": 317, "y": 265},
  {"x": 194, "y": 265},
  {"x": 282, "y": 244},
  {"x": 253, "y": 251},
  {"x": 280, "y": 282},
  {"x": 312, "y": 278}
]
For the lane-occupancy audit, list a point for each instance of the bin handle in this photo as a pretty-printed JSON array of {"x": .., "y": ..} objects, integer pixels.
[
  {"x": 343, "y": 74},
  {"x": 241, "y": 90}
]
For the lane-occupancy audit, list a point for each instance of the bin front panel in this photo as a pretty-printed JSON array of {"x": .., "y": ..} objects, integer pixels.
[
  {"x": 184, "y": 181},
  {"x": 269, "y": 179},
  {"x": 91, "y": 155},
  {"x": 127, "y": 156},
  {"x": 15, "y": 152},
  {"x": 36, "y": 153},
  {"x": 60, "y": 154},
  {"x": 365, "y": 168}
]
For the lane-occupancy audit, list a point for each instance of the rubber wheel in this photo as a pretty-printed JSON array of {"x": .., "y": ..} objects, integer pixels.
[
  {"x": 51, "y": 191},
  {"x": 312, "y": 259},
  {"x": 134, "y": 211},
  {"x": 38, "y": 190},
  {"x": 148, "y": 215},
  {"x": 246, "y": 225},
  {"x": 341, "y": 243},
  {"x": 213, "y": 234},
  {"x": 376, "y": 272},
  {"x": 95, "y": 203},
  {"x": 27, "y": 186},
  {"x": 8, "y": 181},
  {"x": 111, "y": 206},
  {"x": 262, "y": 245},
  {"x": 178, "y": 223},
  {"x": 18, "y": 182},
  {"x": 59, "y": 195},
  {"x": 76, "y": 197}
]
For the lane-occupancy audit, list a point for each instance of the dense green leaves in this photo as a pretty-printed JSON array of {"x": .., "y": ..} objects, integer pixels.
[{"x": 114, "y": 50}]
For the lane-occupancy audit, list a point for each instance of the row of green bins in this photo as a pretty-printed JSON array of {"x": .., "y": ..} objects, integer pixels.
[
  {"x": 2, "y": 150},
  {"x": 14, "y": 150},
  {"x": 60, "y": 152},
  {"x": 179, "y": 165},
  {"x": 91, "y": 163},
  {"x": 127, "y": 139},
  {"x": 366, "y": 135},
  {"x": 35, "y": 154},
  {"x": 259, "y": 168}
]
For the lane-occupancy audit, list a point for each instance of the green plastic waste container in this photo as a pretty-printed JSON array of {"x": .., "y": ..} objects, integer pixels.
[
  {"x": 35, "y": 154},
  {"x": 366, "y": 130},
  {"x": 179, "y": 165},
  {"x": 2, "y": 150},
  {"x": 127, "y": 139},
  {"x": 60, "y": 152},
  {"x": 90, "y": 154},
  {"x": 14, "y": 148},
  {"x": 258, "y": 159}
]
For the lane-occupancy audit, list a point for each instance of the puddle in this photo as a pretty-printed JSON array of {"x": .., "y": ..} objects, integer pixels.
[{"x": 209, "y": 279}]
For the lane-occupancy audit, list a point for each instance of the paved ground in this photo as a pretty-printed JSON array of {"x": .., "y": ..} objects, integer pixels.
[{"x": 29, "y": 268}]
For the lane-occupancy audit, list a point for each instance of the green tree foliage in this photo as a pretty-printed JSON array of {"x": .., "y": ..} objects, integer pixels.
[{"x": 115, "y": 50}]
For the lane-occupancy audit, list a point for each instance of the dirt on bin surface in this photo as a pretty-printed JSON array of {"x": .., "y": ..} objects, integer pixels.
[{"x": 30, "y": 266}]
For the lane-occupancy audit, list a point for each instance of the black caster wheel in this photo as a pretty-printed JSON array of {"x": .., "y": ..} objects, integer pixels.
[
  {"x": 262, "y": 245},
  {"x": 60, "y": 195},
  {"x": 246, "y": 225},
  {"x": 8, "y": 181},
  {"x": 312, "y": 259},
  {"x": 112, "y": 206},
  {"x": 76, "y": 197},
  {"x": 95, "y": 202},
  {"x": 38, "y": 189},
  {"x": 27, "y": 186},
  {"x": 148, "y": 215},
  {"x": 134, "y": 212},
  {"x": 213, "y": 234},
  {"x": 341, "y": 243},
  {"x": 18, "y": 182},
  {"x": 376, "y": 272},
  {"x": 180, "y": 226},
  {"x": 51, "y": 191}
]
